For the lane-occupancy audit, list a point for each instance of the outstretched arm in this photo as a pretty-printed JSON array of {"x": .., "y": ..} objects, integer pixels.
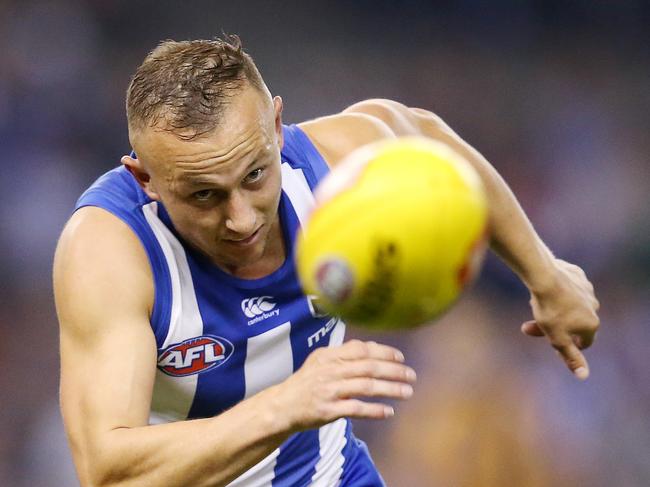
[{"x": 562, "y": 298}]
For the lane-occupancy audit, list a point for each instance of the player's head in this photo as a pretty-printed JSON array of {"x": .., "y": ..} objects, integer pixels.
[
  {"x": 208, "y": 135},
  {"x": 184, "y": 87}
]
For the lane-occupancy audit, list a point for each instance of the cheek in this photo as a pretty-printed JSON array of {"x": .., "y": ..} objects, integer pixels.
[
  {"x": 274, "y": 190},
  {"x": 192, "y": 223}
]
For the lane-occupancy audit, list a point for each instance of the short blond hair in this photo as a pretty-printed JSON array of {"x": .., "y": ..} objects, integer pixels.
[{"x": 183, "y": 87}]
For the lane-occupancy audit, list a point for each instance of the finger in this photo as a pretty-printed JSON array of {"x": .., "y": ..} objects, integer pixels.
[
  {"x": 574, "y": 359},
  {"x": 378, "y": 369},
  {"x": 585, "y": 333},
  {"x": 531, "y": 328},
  {"x": 367, "y": 387},
  {"x": 354, "y": 408},
  {"x": 585, "y": 339},
  {"x": 356, "y": 349}
]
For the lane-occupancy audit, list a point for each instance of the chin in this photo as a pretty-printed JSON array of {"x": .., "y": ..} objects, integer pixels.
[{"x": 241, "y": 256}]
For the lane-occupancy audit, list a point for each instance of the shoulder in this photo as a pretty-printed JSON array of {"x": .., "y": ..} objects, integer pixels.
[
  {"x": 100, "y": 270},
  {"x": 362, "y": 123}
]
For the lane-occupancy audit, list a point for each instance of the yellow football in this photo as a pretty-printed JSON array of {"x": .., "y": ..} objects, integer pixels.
[{"x": 398, "y": 231}]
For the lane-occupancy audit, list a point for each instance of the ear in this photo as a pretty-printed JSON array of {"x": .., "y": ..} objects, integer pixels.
[
  {"x": 135, "y": 167},
  {"x": 277, "y": 109}
]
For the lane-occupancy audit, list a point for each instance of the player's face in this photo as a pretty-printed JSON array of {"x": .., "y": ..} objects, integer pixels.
[{"x": 222, "y": 190}]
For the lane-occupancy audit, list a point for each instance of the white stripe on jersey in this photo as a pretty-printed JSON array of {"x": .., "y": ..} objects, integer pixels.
[
  {"x": 297, "y": 189},
  {"x": 330, "y": 466},
  {"x": 331, "y": 436},
  {"x": 269, "y": 359},
  {"x": 172, "y": 397},
  {"x": 337, "y": 335}
]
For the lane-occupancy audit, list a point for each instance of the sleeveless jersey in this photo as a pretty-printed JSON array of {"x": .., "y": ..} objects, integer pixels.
[{"x": 222, "y": 339}]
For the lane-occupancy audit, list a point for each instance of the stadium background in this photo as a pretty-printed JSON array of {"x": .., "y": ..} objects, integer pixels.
[{"x": 555, "y": 93}]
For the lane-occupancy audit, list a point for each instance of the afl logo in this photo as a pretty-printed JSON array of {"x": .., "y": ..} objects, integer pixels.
[{"x": 194, "y": 356}]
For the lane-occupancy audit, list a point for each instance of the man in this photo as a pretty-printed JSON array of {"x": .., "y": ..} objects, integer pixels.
[{"x": 189, "y": 354}]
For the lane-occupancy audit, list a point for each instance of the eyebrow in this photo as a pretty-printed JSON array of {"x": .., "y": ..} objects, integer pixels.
[{"x": 189, "y": 179}]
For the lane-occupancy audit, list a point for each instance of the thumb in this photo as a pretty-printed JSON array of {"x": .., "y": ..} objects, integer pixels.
[{"x": 530, "y": 328}]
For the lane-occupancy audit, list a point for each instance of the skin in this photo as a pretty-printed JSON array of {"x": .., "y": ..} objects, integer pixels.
[{"x": 219, "y": 189}]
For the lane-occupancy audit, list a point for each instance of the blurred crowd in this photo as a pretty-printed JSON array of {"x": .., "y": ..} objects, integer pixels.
[{"x": 556, "y": 94}]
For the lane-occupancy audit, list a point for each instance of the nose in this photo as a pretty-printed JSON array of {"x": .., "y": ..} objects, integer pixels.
[{"x": 240, "y": 215}]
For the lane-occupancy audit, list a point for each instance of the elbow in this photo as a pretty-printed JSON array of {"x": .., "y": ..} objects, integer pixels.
[
  {"x": 402, "y": 120},
  {"x": 93, "y": 469},
  {"x": 390, "y": 112},
  {"x": 109, "y": 468},
  {"x": 105, "y": 475},
  {"x": 94, "y": 476}
]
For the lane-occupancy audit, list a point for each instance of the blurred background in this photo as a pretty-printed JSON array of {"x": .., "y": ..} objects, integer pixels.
[{"x": 556, "y": 94}]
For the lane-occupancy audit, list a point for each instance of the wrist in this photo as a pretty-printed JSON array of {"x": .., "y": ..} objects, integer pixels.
[
  {"x": 535, "y": 265},
  {"x": 278, "y": 414},
  {"x": 543, "y": 279}
]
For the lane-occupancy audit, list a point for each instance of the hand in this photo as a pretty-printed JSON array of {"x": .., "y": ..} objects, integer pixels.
[
  {"x": 331, "y": 380},
  {"x": 566, "y": 314}
]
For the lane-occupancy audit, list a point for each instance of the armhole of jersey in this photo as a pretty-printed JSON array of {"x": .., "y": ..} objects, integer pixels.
[
  {"x": 302, "y": 153},
  {"x": 161, "y": 312}
]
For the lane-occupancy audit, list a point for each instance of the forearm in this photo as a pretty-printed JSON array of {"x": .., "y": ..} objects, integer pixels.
[
  {"x": 512, "y": 236},
  {"x": 203, "y": 452},
  {"x": 562, "y": 298},
  {"x": 563, "y": 301}
]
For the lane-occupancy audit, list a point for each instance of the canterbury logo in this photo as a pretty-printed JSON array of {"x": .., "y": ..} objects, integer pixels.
[{"x": 253, "y": 307}]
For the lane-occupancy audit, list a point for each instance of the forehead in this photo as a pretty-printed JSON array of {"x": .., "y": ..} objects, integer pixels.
[{"x": 246, "y": 125}]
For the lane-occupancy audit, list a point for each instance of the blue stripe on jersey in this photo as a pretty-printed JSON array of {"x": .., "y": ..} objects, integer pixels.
[
  {"x": 301, "y": 153},
  {"x": 300, "y": 449},
  {"x": 119, "y": 193},
  {"x": 216, "y": 392}
]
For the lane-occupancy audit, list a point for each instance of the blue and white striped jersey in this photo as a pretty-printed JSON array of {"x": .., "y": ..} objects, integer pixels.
[{"x": 222, "y": 339}]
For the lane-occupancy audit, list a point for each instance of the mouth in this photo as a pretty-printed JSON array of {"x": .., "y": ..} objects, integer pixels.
[{"x": 251, "y": 239}]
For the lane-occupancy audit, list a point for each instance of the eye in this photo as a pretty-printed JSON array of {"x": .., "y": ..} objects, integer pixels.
[
  {"x": 203, "y": 195},
  {"x": 255, "y": 175}
]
